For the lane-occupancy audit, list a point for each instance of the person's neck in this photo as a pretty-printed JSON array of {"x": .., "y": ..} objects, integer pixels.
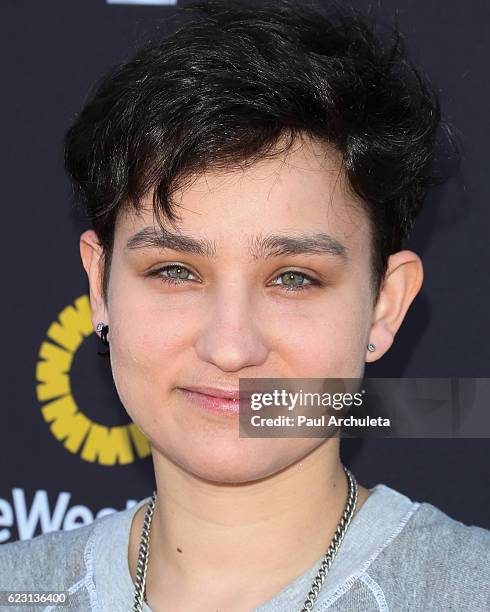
[{"x": 265, "y": 532}]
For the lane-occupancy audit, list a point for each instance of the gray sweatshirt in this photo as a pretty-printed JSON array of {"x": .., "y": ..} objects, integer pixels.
[{"x": 397, "y": 555}]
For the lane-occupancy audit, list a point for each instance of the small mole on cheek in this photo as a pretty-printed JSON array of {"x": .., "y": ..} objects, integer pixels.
[{"x": 178, "y": 550}]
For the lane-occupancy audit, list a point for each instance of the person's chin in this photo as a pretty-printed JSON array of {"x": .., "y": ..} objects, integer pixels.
[
  {"x": 230, "y": 465},
  {"x": 232, "y": 474}
]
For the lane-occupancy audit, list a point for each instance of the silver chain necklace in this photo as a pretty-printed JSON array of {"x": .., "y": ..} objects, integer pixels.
[{"x": 350, "y": 507}]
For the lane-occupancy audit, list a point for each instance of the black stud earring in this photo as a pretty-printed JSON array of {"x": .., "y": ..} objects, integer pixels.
[{"x": 103, "y": 329}]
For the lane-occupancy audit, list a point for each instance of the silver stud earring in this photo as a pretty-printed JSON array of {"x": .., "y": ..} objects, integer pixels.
[{"x": 371, "y": 347}]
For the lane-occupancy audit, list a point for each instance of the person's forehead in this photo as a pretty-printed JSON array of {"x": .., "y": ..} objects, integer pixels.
[
  {"x": 303, "y": 192},
  {"x": 305, "y": 167}
]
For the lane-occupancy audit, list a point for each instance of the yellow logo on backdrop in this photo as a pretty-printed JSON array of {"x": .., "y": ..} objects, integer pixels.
[{"x": 79, "y": 434}]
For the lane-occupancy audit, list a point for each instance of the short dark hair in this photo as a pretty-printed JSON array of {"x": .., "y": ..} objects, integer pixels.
[{"x": 235, "y": 78}]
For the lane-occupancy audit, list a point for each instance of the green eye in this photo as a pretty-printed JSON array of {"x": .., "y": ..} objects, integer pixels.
[
  {"x": 292, "y": 280},
  {"x": 177, "y": 272},
  {"x": 173, "y": 274}
]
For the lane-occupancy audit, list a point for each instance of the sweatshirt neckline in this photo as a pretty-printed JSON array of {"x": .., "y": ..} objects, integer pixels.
[{"x": 381, "y": 517}]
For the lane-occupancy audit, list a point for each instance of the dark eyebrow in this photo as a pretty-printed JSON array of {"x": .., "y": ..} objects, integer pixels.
[
  {"x": 272, "y": 245},
  {"x": 149, "y": 238}
]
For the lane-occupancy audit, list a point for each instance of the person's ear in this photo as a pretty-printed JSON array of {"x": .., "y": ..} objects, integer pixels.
[
  {"x": 402, "y": 282},
  {"x": 93, "y": 261}
]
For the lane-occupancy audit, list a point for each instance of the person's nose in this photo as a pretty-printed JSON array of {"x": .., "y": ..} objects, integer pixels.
[{"x": 230, "y": 335}]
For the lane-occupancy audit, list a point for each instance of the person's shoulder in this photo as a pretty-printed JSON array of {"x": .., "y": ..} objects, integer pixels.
[
  {"x": 51, "y": 561},
  {"x": 438, "y": 534},
  {"x": 54, "y": 560},
  {"x": 433, "y": 529},
  {"x": 442, "y": 561}
]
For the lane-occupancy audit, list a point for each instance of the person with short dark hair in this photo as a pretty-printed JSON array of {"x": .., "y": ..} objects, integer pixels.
[{"x": 251, "y": 180}]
